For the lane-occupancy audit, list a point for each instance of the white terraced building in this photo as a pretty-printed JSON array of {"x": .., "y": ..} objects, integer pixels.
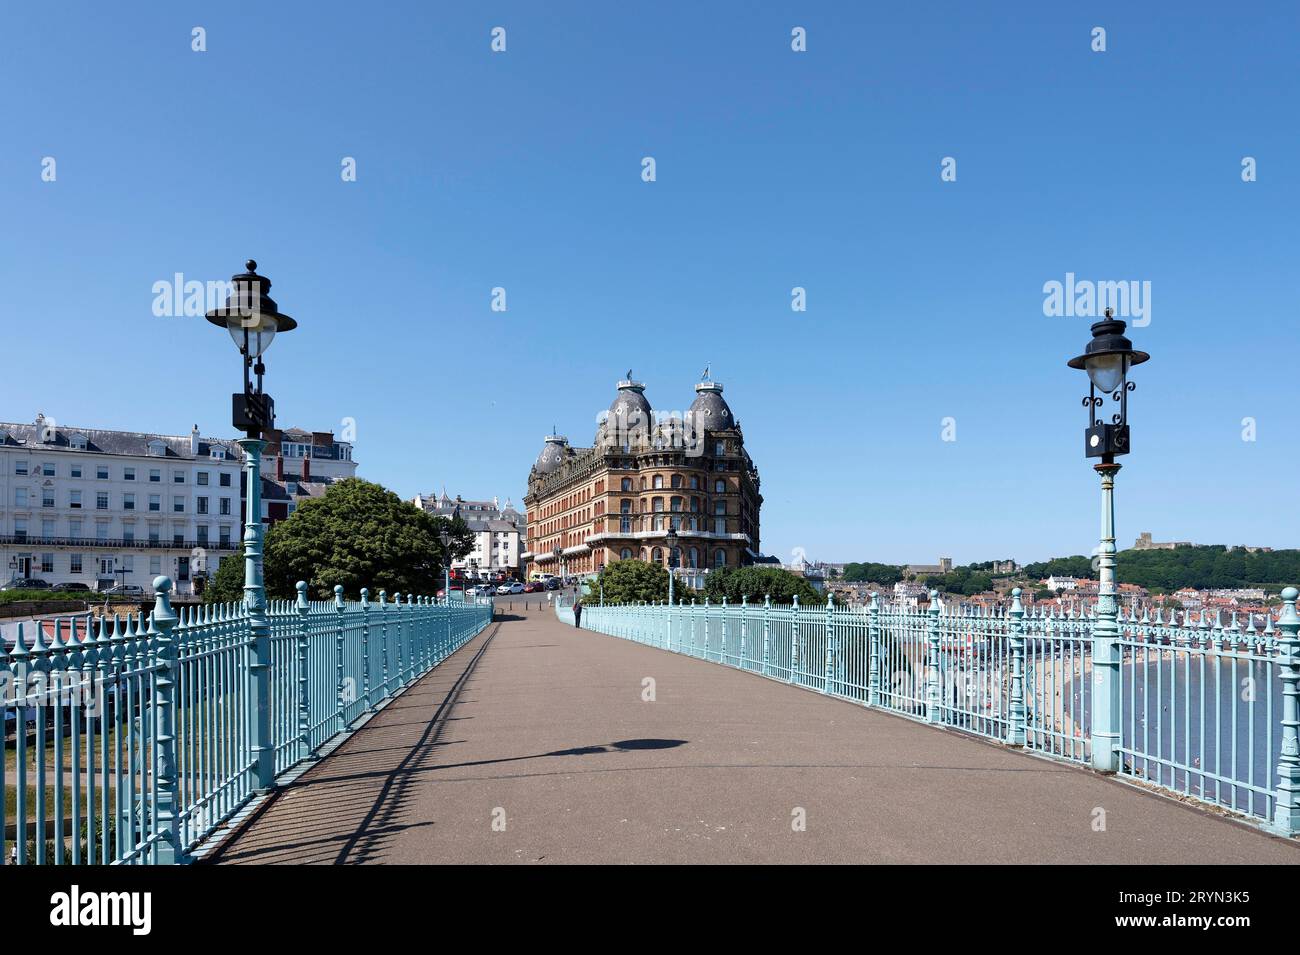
[
  {"x": 111, "y": 507},
  {"x": 498, "y": 531}
]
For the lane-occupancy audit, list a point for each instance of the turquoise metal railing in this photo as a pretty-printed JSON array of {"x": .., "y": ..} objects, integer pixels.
[
  {"x": 133, "y": 740},
  {"x": 1208, "y": 709}
]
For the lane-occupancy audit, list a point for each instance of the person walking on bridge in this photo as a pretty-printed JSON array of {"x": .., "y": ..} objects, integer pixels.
[{"x": 577, "y": 613}]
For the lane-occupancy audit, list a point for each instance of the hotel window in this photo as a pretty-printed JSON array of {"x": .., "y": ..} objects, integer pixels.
[
  {"x": 127, "y": 564},
  {"x": 676, "y": 504},
  {"x": 178, "y": 477},
  {"x": 154, "y": 534},
  {"x": 720, "y": 447},
  {"x": 695, "y": 482},
  {"x": 225, "y": 479},
  {"x": 20, "y": 529},
  {"x": 157, "y": 449},
  {"x": 47, "y": 563},
  {"x": 659, "y": 481},
  {"x": 203, "y": 478},
  {"x": 155, "y": 502},
  {"x": 74, "y": 499},
  {"x": 178, "y": 504},
  {"x": 128, "y": 502},
  {"x": 202, "y": 503},
  {"x": 625, "y": 554},
  {"x": 627, "y": 484},
  {"x": 47, "y": 527},
  {"x": 20, "y": 467},
  {"x": 719, "y": 558},
  {"x": 101, "y": 501},
  {"x": 225, "y": 506},
  {"x": 128, "y": 474},
  {"x": 101, "y": 531},
  {"x": 155, "y": 476},
  {"x": 178, "y": 538},
  {"x": 128, "y": 534},
  {"x": 74, "y": 563},
  {"x": 695, "y": 505},
  {"x": 223, "y": 535},
  {"x": 203, "y": 534},
  {"x": 77, "y": 442},
  {"x": 74, "y": 470},
  {"x": 657, "y": 505},
  {"x": 48, "y": 469},
  {"x": 47, "y": 497},
  {"x": 625, "y": 525},
  {"x": 20, "y": 497},
  {"x": 101, "y": 473},
  {"x": 74, "y": 529},
  {"x": 155, "y": 565},
  {"x": 694, "y": 557}
]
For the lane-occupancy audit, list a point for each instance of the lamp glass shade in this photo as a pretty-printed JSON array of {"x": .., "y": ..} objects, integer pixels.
[
  {"x": 1106, "y": 371},
  {"x": 259, "y": 327}
]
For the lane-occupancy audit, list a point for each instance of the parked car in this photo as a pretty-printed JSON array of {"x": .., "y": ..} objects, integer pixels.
[
  {"x": 516, "y": 587},
  {"x": 27, "y": 583},
  {"x": 534, "y": 587},
  {"x": 124, "y": 590},
  {"x": 70, "y": 586},
  {"x": 551, "y": 583},
  {"x": 503, "y": 588},
  {"x": 482, "y": 590}
]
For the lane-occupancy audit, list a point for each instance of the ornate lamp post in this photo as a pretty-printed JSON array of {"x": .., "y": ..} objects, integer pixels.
[
  {"x": 445, "y": 536},
  {"x": 1107, "y": 359},
  {"x": 672, "y": 559},
  {"x": 558, "y": 554},
  {"x": 253, "y": 320}
]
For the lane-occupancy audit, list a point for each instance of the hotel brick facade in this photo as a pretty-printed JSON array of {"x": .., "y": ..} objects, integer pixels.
[{"x": 645, "y": 474}]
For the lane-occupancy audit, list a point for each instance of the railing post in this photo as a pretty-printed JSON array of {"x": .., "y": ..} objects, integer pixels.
[
  {"x": 338, "y": 650},
  {"x": 829, "y": 673},
  {"x": 794, "y": 640},
  {"x": 933, "y": 694},
  {"x": 767, "y": 630},
  {"x": 1286, "y": 810},
  {"x": 1016, "y": 643},
  {"x": 168, "y": 850},
  {"x": 873, "y": 637},
  {"x": 365, "y": 645},
  {"x": 383, "y": 640},
  {"x": 304, "y": 697},
  {"x": 744, "y": 627},
  {"x": 706, "y": 628},
  {"x": 722, "y": 643}
]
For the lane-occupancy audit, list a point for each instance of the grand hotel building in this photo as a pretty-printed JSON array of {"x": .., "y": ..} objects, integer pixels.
[{"x": 645, "y": 474}]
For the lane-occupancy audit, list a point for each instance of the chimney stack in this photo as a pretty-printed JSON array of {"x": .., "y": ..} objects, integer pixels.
[
  {"x": 279, "y": 467},
  {"x": 306, "y": 469}
]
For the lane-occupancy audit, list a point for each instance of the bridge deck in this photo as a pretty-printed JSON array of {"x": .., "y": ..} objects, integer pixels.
[{"x": 548, "y": 724}]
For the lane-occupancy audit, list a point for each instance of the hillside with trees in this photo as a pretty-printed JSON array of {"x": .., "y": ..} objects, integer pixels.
[{"x": 1210, "y": 566}]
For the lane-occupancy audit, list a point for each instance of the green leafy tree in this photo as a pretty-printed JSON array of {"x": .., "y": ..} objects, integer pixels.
[
  {"x": 628, "y": 581},
  {"x": 885, "y": 574},
  {"x": 359, "y": 534},
  {"x": 757, "y": 582},
  {"x": 227, "y": 584}
]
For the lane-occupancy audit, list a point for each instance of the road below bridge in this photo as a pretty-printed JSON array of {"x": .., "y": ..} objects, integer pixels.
[{"x": 534, "y": 743}]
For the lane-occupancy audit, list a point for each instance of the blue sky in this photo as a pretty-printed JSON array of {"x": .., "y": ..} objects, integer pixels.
[{"x": 775, "y": 169}]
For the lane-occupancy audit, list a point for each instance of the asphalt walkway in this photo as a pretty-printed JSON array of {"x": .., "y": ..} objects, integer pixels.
[{"x": 536, "y": 743}]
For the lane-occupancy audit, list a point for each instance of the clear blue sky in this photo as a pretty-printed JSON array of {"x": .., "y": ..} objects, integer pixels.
[{"x": 775, "y": 169}]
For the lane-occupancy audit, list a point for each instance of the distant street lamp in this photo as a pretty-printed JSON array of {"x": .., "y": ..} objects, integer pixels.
[
  {"x": 558, "y": 554},
  {"x": 445, "y": 536},
  {"x": 252, "y": 318},
  {"x": 672, "y": 560},
  {"x": 1107, "y": 359}
]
